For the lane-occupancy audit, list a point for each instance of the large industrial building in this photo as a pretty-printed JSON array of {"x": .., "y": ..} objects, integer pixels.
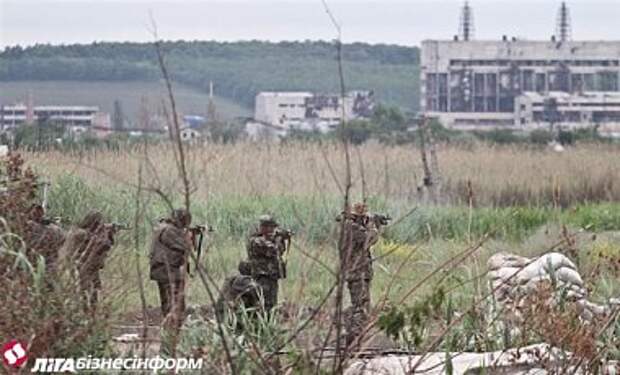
[{"x": 520, "y": 84}]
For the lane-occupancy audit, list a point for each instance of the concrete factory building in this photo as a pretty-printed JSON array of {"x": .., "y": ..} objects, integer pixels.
[{"x": 471, "y": 84}]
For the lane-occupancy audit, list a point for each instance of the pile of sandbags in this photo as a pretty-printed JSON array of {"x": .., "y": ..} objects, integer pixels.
[
  {"x": 536, "y": 359},
  {"x": 514, "y": 277}
]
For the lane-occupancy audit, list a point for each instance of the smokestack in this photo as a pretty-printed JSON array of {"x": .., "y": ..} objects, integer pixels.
[
  {"x": 563, "y": 26},
  {"x": 466, "y": 27}
]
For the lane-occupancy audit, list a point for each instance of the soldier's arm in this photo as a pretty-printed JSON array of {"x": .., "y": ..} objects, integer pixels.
[
  {"x": 175, "y": 240},
  {"x": 259, "y": 247}
]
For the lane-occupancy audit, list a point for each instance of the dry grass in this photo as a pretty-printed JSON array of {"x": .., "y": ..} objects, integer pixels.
[{"x": 500, "y": 176}]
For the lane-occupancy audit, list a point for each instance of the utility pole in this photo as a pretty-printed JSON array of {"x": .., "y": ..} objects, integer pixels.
[{"x": 211, "y": 111}]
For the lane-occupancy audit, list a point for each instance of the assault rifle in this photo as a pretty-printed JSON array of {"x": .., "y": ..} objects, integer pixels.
[
  {"x": 197, "y": 233},
  {"x": 378, "y": 219},
  {"x": 118, "y": 226},
  {"x": 51, "y": 220},
  {"x": 285, "y": 235},
  {"x": 381, "y": 219}
]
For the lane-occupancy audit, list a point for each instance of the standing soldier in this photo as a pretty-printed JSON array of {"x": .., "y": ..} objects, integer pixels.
[
  {"x": 86, "y": 249},
  {"x": 265, "y": 249},
  {"x": 79, "y": 236},
  {"x": 355, "y": 255},
  {"x": 92, "y": 260},
  {"x": 170, "y": 248},
  {"x": 44, "y": 238}
]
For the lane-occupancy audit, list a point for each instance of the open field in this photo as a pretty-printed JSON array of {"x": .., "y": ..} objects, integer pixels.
[
  {"x": 499, "y": 175},
  {"x": 525, "y": 200},
  {"x": 103, "y": 94},
  {"x": 517, "y": 193}
]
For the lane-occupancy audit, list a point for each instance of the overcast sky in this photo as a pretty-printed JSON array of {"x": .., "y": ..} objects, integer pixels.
[{"x": 404, "y": 22}]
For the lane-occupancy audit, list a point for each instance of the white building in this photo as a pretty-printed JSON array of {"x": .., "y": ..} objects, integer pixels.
[
  {"x": 308, "y": 111},
  {"x": 74, "y": 116},
  {"x": 570, "y": 111}
]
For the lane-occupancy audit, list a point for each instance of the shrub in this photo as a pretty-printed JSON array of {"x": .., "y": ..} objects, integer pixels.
[{"x": 540, "y": 136}]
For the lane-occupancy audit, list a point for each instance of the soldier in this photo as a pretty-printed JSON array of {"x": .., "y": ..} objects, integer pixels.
[
  {"x": 239, "y": 291},
  {"x": 92, "y": 261},
  {"x": 78, "y": 237},
  {"x": 86, "y": 249},
  {"x": 44, "y": 237},
  {"x": 170, "y": 248},
  {"x": 265, "y": 249},
  {"x": 355, "y": 255}
]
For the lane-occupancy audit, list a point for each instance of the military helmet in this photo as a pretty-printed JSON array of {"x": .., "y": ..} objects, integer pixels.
[
  {"x": 180, "y": 216},
  {"x": 267, "y": 220},
  {"x": 91, "y": 220},
  {"x": 360, "y": 208}
]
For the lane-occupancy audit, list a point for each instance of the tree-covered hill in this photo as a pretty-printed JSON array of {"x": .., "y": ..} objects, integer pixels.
[{"x": 238, "y": 70}]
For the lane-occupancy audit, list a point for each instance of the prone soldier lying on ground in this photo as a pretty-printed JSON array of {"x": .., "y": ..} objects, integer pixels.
[{"x": 238, "y": 291}]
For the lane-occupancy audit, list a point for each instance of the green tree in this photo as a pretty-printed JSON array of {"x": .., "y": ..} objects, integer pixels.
[{"x": 357, "y": 131}]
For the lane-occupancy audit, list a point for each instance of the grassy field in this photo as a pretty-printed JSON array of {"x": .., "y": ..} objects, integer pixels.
[
  {"x": 103, "y": 94},
  {"x": 500, "y": 176},
  {"x": 519, "y": 193},
  {"x": 526, "y": 200}
]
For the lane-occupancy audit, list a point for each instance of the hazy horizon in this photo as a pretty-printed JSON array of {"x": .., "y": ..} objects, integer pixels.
[{"x": 28, "y": 22}]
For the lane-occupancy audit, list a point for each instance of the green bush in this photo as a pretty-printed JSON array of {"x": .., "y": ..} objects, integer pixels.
[{"x": 540, "y": 137}]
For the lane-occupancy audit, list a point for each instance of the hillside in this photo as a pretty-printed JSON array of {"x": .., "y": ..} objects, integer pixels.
[
  {"x": 103, "y": 94},
  {"x": 239, "y": 70}
]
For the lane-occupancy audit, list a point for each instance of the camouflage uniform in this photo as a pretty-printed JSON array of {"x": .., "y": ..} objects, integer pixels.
[
  {"x": 267, "y": 267},
  {"x": 170, "y": 248},
  {"x": 358, "y": 261},
  {"x": 238, "y": 291},
  {"x": 78, "y": 239},
  {"x": 85, "y": 251},
  {"x": 92, "y": 261},
  {"x": 45, "y": 240}
]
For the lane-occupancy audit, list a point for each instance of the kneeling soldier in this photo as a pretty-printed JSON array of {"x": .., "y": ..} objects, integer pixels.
[{"x": 239, "y": 291}]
